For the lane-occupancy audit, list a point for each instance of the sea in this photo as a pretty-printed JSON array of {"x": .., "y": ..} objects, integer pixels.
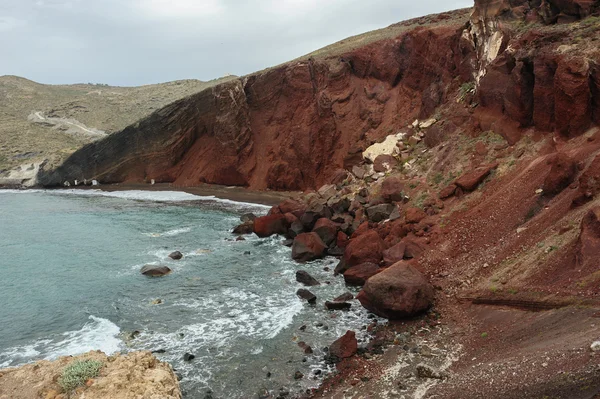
[{"x": 70, "y": 282}]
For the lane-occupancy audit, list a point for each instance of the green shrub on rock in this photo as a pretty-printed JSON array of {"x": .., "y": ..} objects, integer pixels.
[{"x": 78, "y": 372}]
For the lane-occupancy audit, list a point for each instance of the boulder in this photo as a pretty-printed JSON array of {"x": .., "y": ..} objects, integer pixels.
[
  {"x": 384, "y": 163},
  {"x": 308, "y": 220},
  {"x": 342, "y": 239},
  {"x": 307, "y": 296},
  {"x": 327, "y": 191},
  {"x": 588, "y": 244},
  {"x": 368, "y": 247},
  {"x": 155, "y": 270},
  {"x": 341, "y": 205},
  {"x": 387, "y": 147},
  {"x": 176, "y": 255},
  {"x": 392, "y": 189},
  {"x": 271, "y": 224},
  {"x": 413, "y": 248},
  {"x": 304, "y": 278},
  {"x": 561, "y": 175},
  {"x": 291, "y": 206},
  {"x": 244, "y": 228},
  {"x": 358, "y": 171},
  {"x": 307, "y": 247},
  {"x": 337, "y": 305},
  {"x": 327, "y": 230},
  {"x": 414, "y": 215},
  {"x": 295, "y": 229},
  {"x": 379, "y": 213},
  {"x": 397, "y": 292},
  {"x": 344, "y": 347},
  {"x": 247, "y": 217},
  {"x": 447, "y": 192},
  {"x": 470, "y": 181},
  {"x": 344, "y": 297},
  {"x": 394, "y": 254},
  {"x": 359, "y": 274}
]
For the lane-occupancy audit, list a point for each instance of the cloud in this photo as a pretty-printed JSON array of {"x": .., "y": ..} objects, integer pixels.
[{"x": 133, "y": 42}]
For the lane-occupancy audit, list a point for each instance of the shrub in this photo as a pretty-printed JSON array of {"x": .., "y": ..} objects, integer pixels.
[{"x": 77, "y": 373}]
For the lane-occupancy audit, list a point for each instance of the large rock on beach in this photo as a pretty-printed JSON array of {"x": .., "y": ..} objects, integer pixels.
[
  {"x": 307, "y": 247},
  {"x": 359, "y": 274},
  {"x": 344, "y": 347},
  {"x": 308, "y": 296},
  {"x": 327, "y": 230},
  {"x": 155, "y": 270},
  {"x": 394, "y": 254},
  {"x": 176, "y": 255},
  {"x": 367, "y": 247},
  {"x": 398, "y": 292},
  {"x": 269, "y": 225},
  {"x": 381, "y": 212}
]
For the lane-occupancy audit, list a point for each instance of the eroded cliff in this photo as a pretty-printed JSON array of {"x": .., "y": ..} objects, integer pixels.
[{"x": 295, "y": 126}]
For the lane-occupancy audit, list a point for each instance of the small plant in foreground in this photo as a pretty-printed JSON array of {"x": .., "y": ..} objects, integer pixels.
[
  {"x": 77, "y": 373},
  {"x": 484, "y": 335}
]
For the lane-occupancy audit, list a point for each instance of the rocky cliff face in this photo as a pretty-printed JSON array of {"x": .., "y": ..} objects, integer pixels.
[{"x": 295, "y": 126}]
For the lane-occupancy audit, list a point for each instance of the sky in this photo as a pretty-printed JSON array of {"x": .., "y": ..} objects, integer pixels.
[{"x": 136, "y": 42}]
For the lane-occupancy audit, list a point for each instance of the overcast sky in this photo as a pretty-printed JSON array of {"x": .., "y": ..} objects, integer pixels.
[{"x": 134, "y": 42}]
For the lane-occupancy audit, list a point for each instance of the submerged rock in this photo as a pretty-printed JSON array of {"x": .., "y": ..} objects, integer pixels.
[
  {"x": 304, "y": 278},
  {"x": 155, "y": 270},
  {"x": 176, "y": 255},
  {"x": 337, "y": 305},
  {"x": 305, "y": 294}
]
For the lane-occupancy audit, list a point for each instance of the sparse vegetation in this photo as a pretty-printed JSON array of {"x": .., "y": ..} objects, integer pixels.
[
  {"x": 77, "y": 373},
  {"x": 465, "y": 89}
]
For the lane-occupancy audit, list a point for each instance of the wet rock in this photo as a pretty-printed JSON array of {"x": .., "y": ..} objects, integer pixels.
[
  {"x": 295, "y": 229},
  {"x": 394, "y": 254},
  {"x": 359, "y": 274},
  {"x": 397, "y": 292},
  {"x": 327, "y": 230},
  {"x": 307, "y": 247},
  {"x": 378, "y": 213},
  {"x": 247, "y": 217},
  {"x": 345, "y": 346},
  {"x": 335, "y": 251},
  {"x": 561, "y": 175},
  {"x": 304, "y": 278},
  {"x": 470, "y": 181},
  {"x": 298, "y": 375},
  {"x": 244, "y": 228},
  {"x": 287, "y": 243},
  {"x": 344, "y": 297},
  {"x": 337, "y": 305},
  {"x": 414, "y": 215},
  {"x": 240, "y": 238},
  {"x": 188, "y": 357},
  {"x": 305, "y": 348},
  {"x": 367, "y": 247},
  {"x": 271, "y": 224},
  {"x": 155, "y": 270},
  {"x": 176, "y": 255},
  {"x": 307, "y": 295},
  {"x": 392, "y": 189}
]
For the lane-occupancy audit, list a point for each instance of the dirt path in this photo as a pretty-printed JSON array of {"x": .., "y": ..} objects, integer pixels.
[{"x": 69, "y": 126}]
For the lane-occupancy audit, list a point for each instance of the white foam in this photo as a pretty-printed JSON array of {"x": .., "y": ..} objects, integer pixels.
[
  {"x": 170, "y": 233},
  {"x": 97, "y": 334}
]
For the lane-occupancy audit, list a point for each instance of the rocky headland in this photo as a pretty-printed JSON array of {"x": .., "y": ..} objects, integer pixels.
[{"x": 450, "y": 162}]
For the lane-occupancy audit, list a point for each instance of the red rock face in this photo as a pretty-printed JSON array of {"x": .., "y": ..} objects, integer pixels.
[
  {"x": 289, "y": 128},
  {"x": 588, "y": 244}
]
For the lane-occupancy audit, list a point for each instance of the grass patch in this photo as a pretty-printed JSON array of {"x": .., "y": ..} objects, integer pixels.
[
  {"x": 77, "y": 373},
  {"x": 465, "y": 89},
  {"x": 484, "y": 335}
]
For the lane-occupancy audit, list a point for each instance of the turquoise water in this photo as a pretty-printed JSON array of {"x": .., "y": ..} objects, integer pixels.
[{"x": 70, "y": 283}]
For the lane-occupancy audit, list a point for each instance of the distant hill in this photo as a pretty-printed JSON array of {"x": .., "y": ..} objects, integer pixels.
[{"x": 40, "y": 121}]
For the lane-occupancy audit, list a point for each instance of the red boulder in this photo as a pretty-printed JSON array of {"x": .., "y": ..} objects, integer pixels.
[
  {"x": 327, "y": 230},
  {"x": 397, "y": 292},
  {"x": 415, "y": 215},
  {"x": 562, "y": 173},
  {"x": 344, "y": 347},
  {"x": 367, "y": 247},
  {"x": 359, "y": 274},
  {"x": 271, "y": 224},
  {"x": 392, "y": 189},
  {"x": 470, "y": 181},
  {"x": 307, "y": 247},
  {"x": 394, "y": 254}
]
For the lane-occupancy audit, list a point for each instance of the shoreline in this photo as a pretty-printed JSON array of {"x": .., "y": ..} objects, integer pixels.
[{"x": 231, "y": 193}]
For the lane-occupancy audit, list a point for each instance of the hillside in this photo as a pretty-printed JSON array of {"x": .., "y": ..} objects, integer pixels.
[{"x": 52, "y": 121}]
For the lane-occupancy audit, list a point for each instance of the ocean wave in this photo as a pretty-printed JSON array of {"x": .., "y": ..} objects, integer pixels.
[
  {"x": 96, "y": 334},
  {"x": 170, "y": 233}
]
